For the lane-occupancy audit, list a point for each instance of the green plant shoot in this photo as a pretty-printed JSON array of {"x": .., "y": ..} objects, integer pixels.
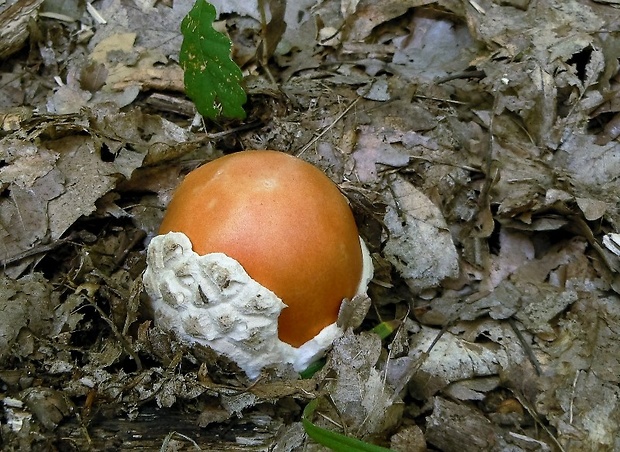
[{"x": 212, "y": 79}]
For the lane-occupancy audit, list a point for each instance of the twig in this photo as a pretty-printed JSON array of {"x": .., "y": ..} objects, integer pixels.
[
  {"x": 326, "y": 129},
  {"x": 38, "y": 249},
  {"x": 166, "y": 443},
  {"x": 117, "y": 333},
  {"x": 440, "y": 99},
  {"x": 460, "y": 75},
  {"x": 241, "y": 128},
  {"x": 526, "y": 347},
  {"x": 532, "y": 412}
]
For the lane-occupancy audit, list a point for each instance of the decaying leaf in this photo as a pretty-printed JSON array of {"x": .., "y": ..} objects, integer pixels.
[
  {"x": 49, "y": 406},
  {"x": 27, "y": 303},
  {"x": 466, "y": 427},
  {"x": 419, "y": 244},
  {"x": 586, "y": 349},
  {"x": 451, "y": 359},
  {"x": 489, "y": 130},
  {"x": 363, "y": 401},
  {"x": 353, "y": 312},
  {"x": 373, "y": 150}
]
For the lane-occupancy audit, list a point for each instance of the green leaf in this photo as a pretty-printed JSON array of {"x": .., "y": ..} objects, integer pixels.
[
  {"x": 212, "y": 78},
  {"x": 335, "y": 441}
]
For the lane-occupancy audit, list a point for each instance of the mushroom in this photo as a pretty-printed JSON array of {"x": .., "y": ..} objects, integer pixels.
[{"x": 256, "y": 252}]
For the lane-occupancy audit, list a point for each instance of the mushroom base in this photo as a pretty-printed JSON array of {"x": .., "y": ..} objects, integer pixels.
[{"x": 211, "y": 300}]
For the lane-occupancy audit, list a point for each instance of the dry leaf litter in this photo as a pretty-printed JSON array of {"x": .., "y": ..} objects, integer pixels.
[{"x": 477, "y": 142}]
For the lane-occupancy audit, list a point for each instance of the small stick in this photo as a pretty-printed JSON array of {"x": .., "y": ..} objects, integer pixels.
[{"x": 326, "y": 129}]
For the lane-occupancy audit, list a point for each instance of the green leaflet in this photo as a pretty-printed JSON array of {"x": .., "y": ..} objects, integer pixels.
[
  {"x": 333, "y": 440},
  {"x": 212, "y": 78}
]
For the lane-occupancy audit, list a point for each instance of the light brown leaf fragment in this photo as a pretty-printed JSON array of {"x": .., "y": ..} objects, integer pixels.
[
  {"x": 371, "y": 151},
  {"x": 515, "y": 249},
  {"x": 48, "y": 405},
  {"x": 212, "y": 414},
  {"x": 540, "y": 305},
  {"x": 353, "y": 312},
  {"x": 273, "y": 29},
  {"x": 67, "y": 100},
  {"x": 419, "y": 244},
  {"x": 50, "y": 185},
  {"x": 358, "y": 390},
  {"x": 591, "y": 419},
  {"x": 26, "y": 302},
  {"x": 408, "y": 439},
  {"x": 451, "y": 359},
  {"x": 592, "y": 209},
  {"x": 24, "y": 162},
  {"x": 369, "y": 14},
  {"x": 437, "y": 45},
  {"x": 87, "y": 178},
  {"x": 452, "y": 425},
  {"x": 113, "y": 47},
  {"x": 93, "y": 76}
]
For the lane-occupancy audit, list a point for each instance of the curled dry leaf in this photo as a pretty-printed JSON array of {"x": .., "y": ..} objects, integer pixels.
[
  {"x": 419, "y": 244},
  {"x": 48, "y": 405},
  {"x": 451, "y": 359}
]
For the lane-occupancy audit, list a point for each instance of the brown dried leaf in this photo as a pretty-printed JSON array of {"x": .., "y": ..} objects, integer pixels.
[
  {"x": 585, "y": 376},
  {"x": 373, "y": 149},
  {"x": 419, "y": 244},
  {"x": 93, "y": 76},
  {"x": 358, "y": 391},
  {"x": 365, "y": 15},
  {"x": 452, "y": 425},
  {"x": 25, "y": 303},
  {"x": 273, "y": 30},
  {"x": 48, "y": 405},
  {"x": 353, "y": 312}
]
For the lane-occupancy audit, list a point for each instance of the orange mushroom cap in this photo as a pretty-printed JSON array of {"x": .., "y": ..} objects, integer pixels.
[{"x": 285, "y": 222}]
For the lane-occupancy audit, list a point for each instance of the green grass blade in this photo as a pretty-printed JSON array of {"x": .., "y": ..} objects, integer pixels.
[
  {"x": 312, "y": 369},
  {"x": 384, "y": 329}
]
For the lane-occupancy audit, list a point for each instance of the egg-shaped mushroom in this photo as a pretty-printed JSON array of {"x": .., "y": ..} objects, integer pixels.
[{"x": 287, "y": 225}]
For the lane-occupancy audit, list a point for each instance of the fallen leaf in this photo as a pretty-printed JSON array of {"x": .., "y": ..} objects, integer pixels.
[
  {"x": 419, "y": 244},
  {"x": 27, "y": 303},
  {"x": 358, "y": 390}
]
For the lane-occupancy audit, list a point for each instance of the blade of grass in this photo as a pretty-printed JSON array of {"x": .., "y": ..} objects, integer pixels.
[{"x": 384, "y": 329}]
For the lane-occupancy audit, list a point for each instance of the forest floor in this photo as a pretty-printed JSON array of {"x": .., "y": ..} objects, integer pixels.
[{"x": 476, "y": 142}]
